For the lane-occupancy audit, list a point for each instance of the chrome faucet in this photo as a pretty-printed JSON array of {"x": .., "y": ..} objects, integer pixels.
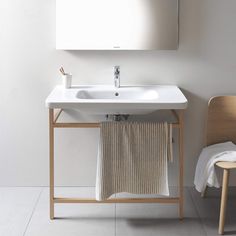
[{"x": 117, "y": 76}]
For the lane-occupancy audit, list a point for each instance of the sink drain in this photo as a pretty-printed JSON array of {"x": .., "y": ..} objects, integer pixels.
[{"x": 116, "y": 94}]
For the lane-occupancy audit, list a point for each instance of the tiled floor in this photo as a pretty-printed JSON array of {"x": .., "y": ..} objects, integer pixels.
[{"x": 24, "y": 211}]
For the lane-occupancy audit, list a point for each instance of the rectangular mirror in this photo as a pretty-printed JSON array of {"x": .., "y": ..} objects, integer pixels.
[{"x": 117, "y": 24}]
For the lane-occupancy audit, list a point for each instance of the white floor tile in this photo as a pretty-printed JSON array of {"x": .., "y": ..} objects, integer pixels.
[
  {"x": 209, "y": 207},
  {"x": 16, "y": 208},
  {"x": 157, "y": 219},
  {"x": 156, "y": 210},
  {"x": 72, "y": 219}
]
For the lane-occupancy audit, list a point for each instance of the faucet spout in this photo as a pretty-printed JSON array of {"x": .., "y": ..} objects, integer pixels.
[{"x": 117, "y": 76}]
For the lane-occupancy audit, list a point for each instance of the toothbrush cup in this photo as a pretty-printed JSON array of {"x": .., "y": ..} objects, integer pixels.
[{"x": 66, "y": 81}]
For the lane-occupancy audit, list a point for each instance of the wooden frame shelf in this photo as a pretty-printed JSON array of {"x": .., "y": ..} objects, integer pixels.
[
  {"x": 53, "y": 118},
  {"x": 117, "y": 200}
]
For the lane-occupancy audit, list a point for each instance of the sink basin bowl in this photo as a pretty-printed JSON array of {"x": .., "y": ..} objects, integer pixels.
[
  {"x": 124, "y": 100},
  {"x": 123, "y": 93}
]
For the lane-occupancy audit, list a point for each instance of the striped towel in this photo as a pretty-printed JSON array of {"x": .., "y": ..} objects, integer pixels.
[{"x": 133, "y": 158}]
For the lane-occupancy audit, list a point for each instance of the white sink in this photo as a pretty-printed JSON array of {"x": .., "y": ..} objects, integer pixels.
[{"x": 124, "y": 100}]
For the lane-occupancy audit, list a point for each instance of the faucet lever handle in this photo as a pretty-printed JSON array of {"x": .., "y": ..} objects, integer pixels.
[{"x": 117, "y": 70}]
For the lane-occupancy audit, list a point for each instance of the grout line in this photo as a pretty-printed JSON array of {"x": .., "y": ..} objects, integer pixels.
[
  {"x": 115, "y": 217},
  {"x": 196, "y": 210},
  {"x": 47, "y": 186},
  {"x": 19, "y": 186},
  {"x": 67, "y": 186},
  {"x": 33, "y": 210}
]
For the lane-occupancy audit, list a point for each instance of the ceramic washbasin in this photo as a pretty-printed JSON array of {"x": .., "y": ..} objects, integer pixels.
[{"x": 124, "y": 100}]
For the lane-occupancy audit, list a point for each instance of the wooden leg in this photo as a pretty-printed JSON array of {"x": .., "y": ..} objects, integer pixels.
[
  {"x": 181, "y": 167},
  {"x": 203, "y": 194},
  {"x": 51, "y": 163},
  {"x": 223, "y": 201}
]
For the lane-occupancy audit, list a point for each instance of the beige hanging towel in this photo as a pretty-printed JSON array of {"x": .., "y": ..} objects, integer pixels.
[{"x": 133, "y": 158}]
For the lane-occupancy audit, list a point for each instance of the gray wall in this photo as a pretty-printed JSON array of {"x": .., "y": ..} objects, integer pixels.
[{"x": 203, "y": 66}]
